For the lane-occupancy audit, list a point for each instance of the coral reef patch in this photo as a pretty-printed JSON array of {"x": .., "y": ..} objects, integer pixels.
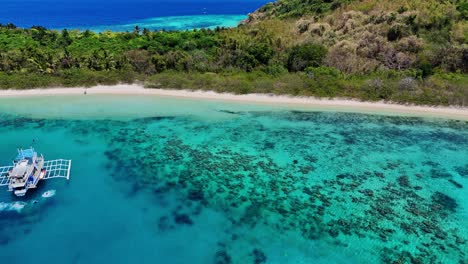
[{"x": 391, "y": 186}]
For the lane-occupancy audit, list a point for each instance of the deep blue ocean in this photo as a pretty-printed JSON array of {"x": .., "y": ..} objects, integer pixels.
[{"x": 115, "y": 14}]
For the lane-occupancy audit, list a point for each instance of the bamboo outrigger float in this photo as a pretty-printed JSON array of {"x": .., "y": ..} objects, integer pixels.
[{"x": 28, "y": 169}]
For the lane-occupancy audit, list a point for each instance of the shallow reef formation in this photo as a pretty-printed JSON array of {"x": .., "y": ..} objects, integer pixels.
[{"x": 352, "y": 180}]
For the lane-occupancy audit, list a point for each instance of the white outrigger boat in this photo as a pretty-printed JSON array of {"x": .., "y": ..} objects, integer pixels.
[{"x": 29, "y": 168}]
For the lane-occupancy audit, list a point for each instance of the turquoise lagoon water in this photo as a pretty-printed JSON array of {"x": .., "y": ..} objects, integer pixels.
[
  {"x": 176, "y": 23},
  {"x": 164, "y": 180}
]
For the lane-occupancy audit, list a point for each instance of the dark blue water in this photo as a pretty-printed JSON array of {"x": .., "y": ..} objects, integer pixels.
[{"x": 87, "y": 13}]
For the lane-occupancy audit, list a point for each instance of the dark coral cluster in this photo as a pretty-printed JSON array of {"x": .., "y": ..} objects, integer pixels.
[{"x": 235, "y": 171}]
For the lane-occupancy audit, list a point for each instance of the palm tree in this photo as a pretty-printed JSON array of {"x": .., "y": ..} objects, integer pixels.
[{"x": 137, "y": 30}]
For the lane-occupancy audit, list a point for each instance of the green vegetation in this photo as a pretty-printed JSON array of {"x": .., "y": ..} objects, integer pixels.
[
  {"x": 439, "y": 89},
  {"x": 298, "y": 8},
  {"x": 406, "y": 51}
]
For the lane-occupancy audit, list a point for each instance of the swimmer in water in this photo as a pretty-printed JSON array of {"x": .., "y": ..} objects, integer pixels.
[{"x": 48, "y": 194}]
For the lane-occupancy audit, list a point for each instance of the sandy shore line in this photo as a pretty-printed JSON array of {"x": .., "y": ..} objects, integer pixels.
[{"x": 344, "y": 105}]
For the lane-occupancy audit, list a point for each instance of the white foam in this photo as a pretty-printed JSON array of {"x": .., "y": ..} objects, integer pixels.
[
  {"x": 15, "y": 206},
  {"x": 3, "y": 206},
  {"x": 48, "y": 194}
]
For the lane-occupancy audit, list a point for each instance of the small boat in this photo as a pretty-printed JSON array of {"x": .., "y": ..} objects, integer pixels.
[
  {"x": 26, "y": 173},
  {"x": 29, "y": 168}
]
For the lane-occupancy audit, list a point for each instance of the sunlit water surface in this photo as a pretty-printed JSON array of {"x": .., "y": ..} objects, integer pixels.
[{"x": 168, "y": 180}]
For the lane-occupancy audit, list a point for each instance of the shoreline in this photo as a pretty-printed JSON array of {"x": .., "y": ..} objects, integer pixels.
[{"x": 307, "y": 103}]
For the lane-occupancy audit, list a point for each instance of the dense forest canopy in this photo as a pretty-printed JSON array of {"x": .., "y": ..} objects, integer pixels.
[{"x": 406, "y": 51}]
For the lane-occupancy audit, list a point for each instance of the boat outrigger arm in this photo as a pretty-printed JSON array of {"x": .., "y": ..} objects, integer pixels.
[{"x": 29, "y": 168}]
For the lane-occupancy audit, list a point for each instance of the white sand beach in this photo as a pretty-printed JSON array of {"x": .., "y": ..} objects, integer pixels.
[{"x": 342, "y": 105}]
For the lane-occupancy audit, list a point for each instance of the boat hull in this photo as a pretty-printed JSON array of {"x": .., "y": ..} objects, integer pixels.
[{"x": 20, "y": 193}]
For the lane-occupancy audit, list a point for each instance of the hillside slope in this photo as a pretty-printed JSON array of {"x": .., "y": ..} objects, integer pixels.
[
  {"x": 297, "y": 8},
  {"x": 365, "y": 36}
]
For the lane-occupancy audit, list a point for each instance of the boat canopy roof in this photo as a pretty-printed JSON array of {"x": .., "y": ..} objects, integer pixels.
[
  {"x": 20, "y": 170},
  {"x": 25, "y": 154}
]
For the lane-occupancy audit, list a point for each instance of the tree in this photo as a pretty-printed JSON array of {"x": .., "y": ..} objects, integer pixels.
[
  {"x": 66, "y": 62},
  {"x": 136, "y": 30},
  {"x": 38, "y": 33},
  {"x": 262, "y": 52},
  {"x": 147, "y": 33},
  {"x": 140, "y": 60},
  {"x": 179, "y": 60},
  {"x": 10, "y": 26},
  {"x": 87, "y": 34},
  {"x": 159, "y": 62},
  {"x": 65, "y": 39}
]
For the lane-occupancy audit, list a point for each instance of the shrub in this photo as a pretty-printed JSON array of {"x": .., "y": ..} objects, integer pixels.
[
  {"x": 460, "y": 32},
  {"x": 462, "y": 7},
  {"x": 407, "y": 84},
  {"x": 393, "y": 59},
  {"x": 378, "y": 89},
  {"x": 309, "y": 55},
  {"x": 410, "y": 44},
  {"x": 344, "y": 58},
  {"x": 394, "y": 33},
  {"x": 371, "y": 45},
  {"x": 425, "y": 67},
  {"x": 375, "y": 84},
  {"x": 322, "y": 72},
  {"x": 275, "y": 70},
  {"x": 454, "y": 58}
]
